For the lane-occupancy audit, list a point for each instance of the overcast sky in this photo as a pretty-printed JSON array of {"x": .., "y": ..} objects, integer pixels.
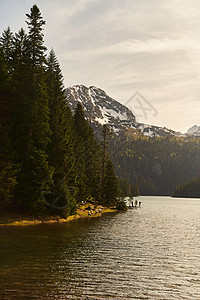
[{"x": 123, "y": 47}]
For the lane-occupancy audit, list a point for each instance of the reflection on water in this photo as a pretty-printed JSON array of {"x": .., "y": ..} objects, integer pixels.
[{"x": 147, "y": 253}]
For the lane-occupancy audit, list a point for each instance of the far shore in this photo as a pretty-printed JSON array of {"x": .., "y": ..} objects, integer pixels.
[{"x": 84, "y": 211}]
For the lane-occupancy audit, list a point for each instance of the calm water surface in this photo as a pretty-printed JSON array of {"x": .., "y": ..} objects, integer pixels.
[{"x": 147, "y": 253}]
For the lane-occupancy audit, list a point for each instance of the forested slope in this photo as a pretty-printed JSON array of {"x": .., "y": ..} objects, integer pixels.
[
  {"x": 157, "y": 165},
  {"x": 190, "y": 189}
]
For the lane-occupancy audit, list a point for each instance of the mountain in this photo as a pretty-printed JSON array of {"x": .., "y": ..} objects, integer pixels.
[
  {"x": 101, "y": 109},
  {"x": 194, "y": 130},
  {"x": 155, "y": 165}
]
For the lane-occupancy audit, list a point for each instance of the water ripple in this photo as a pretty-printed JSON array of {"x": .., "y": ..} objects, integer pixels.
[{"x": 148, "y": 253}]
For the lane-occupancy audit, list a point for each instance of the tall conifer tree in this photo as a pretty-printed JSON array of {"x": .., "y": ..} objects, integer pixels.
[
  {"x": 7, "y": 168},
  {"x": 6, "y": 43},
  {"x": 110, "y": 185},
  {"x": 33, "y": 120},
  {"x": 109, "y": 181},
  {"x": 62, "y": 144},
  {"x": 89, "y": 155}
]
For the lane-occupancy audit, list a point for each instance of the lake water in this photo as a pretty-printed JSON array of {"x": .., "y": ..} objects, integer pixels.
[{"x": 147, "y": 253}]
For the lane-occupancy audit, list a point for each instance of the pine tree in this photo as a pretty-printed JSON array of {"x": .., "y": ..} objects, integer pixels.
[
  {"x": 188, "y": 189},
  {"x": 6, "y": 84},
  {"x": 89, "y": 153},
  {"x": 109, "y": 181},
  {"x": 20, "y": 59},
  {"x": 23, "y": 85},
  {"x": 110, "y": 184},
  {"x": 135, "y": 191},
  {"x": 6, "y": 43},
  {"x": 105, "y": 147},
  {"x": 62, "y": 144},
  {"x": 7, "y": 168},
  {"x": 36, "y": 42},
  {"x": 33, "y": 120}
]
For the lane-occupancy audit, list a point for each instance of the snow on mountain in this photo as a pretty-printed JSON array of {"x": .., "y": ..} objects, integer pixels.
[
  {"x": 101, "y": 109},
  {"x": 194, "y": 130}
]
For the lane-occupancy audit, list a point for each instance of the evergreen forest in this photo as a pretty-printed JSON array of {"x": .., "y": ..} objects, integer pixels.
[
  {"x": 190, "y": 189},
  {"x": 50, "y": 160},
  {"x": 155, "y": 165}
]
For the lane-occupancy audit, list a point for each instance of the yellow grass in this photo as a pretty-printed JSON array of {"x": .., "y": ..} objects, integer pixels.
[{"x": 84, "y": 211}]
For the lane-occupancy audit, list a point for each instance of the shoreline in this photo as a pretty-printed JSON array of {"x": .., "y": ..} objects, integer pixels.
[{"x": 84, "y": 211}]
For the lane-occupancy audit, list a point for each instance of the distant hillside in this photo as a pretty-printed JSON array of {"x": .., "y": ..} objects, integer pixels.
[
  {"x": 155, "y": 158},
  {"x": 190, "y": 189}
]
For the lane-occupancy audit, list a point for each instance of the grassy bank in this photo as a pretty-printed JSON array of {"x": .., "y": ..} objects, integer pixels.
[{"x": 83, "y": 211}]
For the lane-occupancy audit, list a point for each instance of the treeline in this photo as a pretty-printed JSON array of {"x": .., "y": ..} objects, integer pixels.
[
  {"x": 189, "y": 189},
  {"x": 157, "y": 165},
  {"x": 49, "y": 158},
  {"x": 126, "y": 189}
]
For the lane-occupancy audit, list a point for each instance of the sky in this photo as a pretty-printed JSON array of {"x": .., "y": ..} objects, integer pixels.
[{"x": 142, "y": 53}]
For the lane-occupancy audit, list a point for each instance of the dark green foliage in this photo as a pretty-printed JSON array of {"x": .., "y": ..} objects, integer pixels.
[
  {"x": 62, "y": 144},
  {"x": 21, "y": 74},
  {"x": 157, "y": 165},
  {"x": 110, "y": 187},
  {"x": 8, "y": 169},
  {"x": 33, "y": 178},
  {"x": 36, "y": 46},
  {"x": 88, "y": 157},
  {"x": 97, "y": 178},
  {"x": 135, "y": 191},
  {"x": 126, "y": 189},
  {"x": 27, "y": 113},
  {"x": 7, "y": 183},
  {"x": 190, "y": 189},
  {"x": 32, "y": 120},
  {"x": 6, "y": 42},
  {"x": 121, "y": 205},
  {"x": 105, "y": 147},
  {"x": 108, "y": 179}
]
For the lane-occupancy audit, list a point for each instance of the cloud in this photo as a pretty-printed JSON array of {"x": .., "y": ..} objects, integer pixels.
[
  {"x": 133, "y": 46},
  {"x": 123, "y": 46}
]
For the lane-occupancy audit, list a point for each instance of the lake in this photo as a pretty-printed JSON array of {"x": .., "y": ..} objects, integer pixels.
[{"x": 152, "y": 252}]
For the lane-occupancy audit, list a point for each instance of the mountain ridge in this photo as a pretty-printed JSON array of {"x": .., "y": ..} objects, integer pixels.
[
  {"x": 100, "y": 109},
  {"x": 194, "y": 130}
]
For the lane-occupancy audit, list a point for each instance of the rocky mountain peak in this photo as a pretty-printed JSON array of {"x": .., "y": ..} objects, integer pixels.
[
  {"x": 101, "y": 109},
  {"x": 194, "y": 130}
]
